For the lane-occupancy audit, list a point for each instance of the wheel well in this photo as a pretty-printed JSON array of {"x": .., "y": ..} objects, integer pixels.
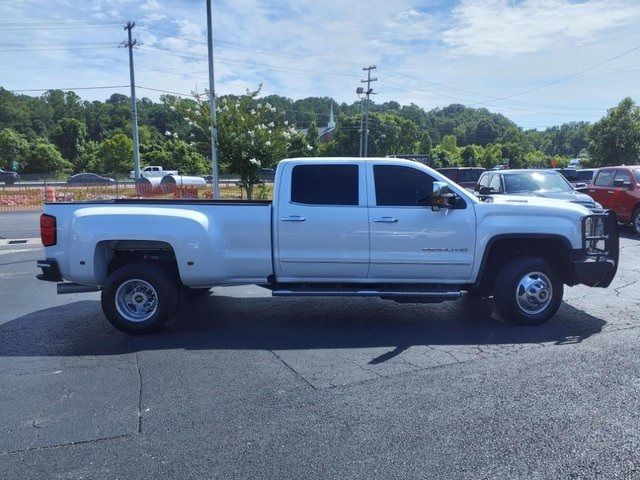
[
  {"x": 113, "y": 254},
  {"x": 556, "y": 251}
]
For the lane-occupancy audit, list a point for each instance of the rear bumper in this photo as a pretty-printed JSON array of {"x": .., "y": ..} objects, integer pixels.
[
  {"x": 596, "y": 263},
  {"x": 50, "y": 270}
]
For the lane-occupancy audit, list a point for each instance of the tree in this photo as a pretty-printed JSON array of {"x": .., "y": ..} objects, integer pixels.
[
  {"x": 115, "y": 155},
  {"x": 615, "y": 139},
  {"x": 392, "y": 134},
  {"x": 13, "y": 150},
  {"x": 68, "y": 135},
  {"x": 251, "y": 134},
  {"x": 312, "y": 138},
  {"x": 45, "y": 158},
  {"x": 471, "y": 155},
  {"x": 449, "y": 143}
]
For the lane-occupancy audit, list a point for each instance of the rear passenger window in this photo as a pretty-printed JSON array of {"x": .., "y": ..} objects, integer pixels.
[
  {"x": 402, "y": 186},
  {"x": 325, "y": 184},
  {"x": 469, "y": 175},
  {"x": 622, "y": 175},
  {"x": 605, "y": 178}
]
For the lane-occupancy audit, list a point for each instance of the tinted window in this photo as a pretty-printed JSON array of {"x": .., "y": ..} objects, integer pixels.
[
  {"x": 636, "y": 172},
  {"x": 402, "y": 186},
  {"x": 605, "y": 178},
  {"x": 623, "y": 175},
  {"x": 451, "y": 173},
  {"x": 584, "y": 175},
  {"x": 569, "y": 174},
  {"x": 325, "y": 184},
  {"x": 469, "y": 175}
]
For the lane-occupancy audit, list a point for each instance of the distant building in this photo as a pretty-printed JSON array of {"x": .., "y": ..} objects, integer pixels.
[{"x": 325, "y": 134}]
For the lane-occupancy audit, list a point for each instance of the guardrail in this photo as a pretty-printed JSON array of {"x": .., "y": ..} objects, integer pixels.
[{"x": 25, "y": 197}]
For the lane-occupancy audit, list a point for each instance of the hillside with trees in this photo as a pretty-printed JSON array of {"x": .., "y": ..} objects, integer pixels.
[{"x": 59, "y": 132}]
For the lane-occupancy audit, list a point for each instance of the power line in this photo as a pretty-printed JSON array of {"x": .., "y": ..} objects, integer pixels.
[
  {"x": 102, "y": 87},
  {"x": 567, "y": 77}
]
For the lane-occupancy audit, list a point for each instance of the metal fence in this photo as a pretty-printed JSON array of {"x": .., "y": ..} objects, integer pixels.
[{"x": 30, "y": 193}]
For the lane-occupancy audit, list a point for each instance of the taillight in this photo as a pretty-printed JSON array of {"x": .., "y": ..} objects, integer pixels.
[{"x": 48, "y": 233}]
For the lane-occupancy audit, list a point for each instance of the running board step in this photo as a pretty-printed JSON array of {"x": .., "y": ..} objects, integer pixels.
[{"x": 437, "y": 295}]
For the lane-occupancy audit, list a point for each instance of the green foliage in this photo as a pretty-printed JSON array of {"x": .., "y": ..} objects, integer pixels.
[
  {"x": 615, "y": 139},
  {"x": 312, "y": 138},
  {"x": 45, "y": 157},
  {"x": 115, "y": 155},
  {"x": 68, "y": 135},
  {"x": 251, "y": 134},
  {"x": 174, "y": 133},
  {"x": 13, "y": 149}
]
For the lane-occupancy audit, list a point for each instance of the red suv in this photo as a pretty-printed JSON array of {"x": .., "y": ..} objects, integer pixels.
[{"x": 618, "y": 188}]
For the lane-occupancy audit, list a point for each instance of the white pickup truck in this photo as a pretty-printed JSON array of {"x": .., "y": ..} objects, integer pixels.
[
  {"x": 152, "y": 171},
  {"x": 377, "y": 227}
]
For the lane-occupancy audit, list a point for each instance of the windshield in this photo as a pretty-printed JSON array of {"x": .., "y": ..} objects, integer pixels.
[
  {"x": 535, "y": 182},
  {"x": 636, "y": 172}
]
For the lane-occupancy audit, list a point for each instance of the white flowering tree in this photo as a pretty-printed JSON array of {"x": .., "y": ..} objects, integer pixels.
[{"x": 251, "y": 134}]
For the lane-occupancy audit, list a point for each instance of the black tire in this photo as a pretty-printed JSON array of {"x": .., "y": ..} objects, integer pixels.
[
  {"x": 507, "y": 286},
  {"x": 163, "y": 287},
  {"x": 635, "y": 221}
]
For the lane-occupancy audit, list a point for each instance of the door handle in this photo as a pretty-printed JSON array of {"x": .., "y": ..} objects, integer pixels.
[
  {"x": 293, "y": 218},
  {"x": 385, "y": 220},
  {"x": 609, "y": 191}
]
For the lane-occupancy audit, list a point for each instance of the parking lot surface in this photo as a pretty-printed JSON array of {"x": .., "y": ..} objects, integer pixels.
[{"x": 243, "y": 385}]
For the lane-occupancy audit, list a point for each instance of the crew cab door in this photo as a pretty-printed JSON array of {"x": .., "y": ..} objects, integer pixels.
[
  {"x": 321, "y": 222},
  {"x": 409, "y": 241}
]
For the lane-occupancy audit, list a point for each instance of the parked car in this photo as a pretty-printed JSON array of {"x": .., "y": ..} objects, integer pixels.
[
  {"x": 89, "y": 179},
  {"x": 374, "y": 227},
  {"x": 152, "y": 171},
  {"x": 618, "y": 188},
  {"x": 536, "y": 183},
  {"x": 579, "y": 178},
  {"x": 466, "y": 177},
  {"x": 8, "y": 178}
]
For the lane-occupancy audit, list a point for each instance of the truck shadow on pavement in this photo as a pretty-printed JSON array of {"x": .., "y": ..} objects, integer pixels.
[{"x": 263, "y": 323}]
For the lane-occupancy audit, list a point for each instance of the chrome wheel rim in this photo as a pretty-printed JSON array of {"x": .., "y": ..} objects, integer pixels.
[
  {"x": 534, "y": 293},
  {"x": 136, "y": 300},
  {"x": 636, "y": 223}
]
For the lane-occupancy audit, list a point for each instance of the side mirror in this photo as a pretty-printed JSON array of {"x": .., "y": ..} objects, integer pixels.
[
  {"x": 485, "y": 191},
  {"x": 580, "y": 186},
  {"x": 440, "y": 196}
]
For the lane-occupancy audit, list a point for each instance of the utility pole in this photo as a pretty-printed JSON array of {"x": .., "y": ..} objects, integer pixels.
[
  {"x": 361, "y": 120},
  {"x": 212, "y": 105},
  {"x": 367, "y": 93},
  {"x": 134, "y": 109}
]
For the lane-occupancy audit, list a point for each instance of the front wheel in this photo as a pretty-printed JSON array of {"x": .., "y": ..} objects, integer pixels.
[
  {"x": 636, "y": 221},
  {"x": 140, "y": 298},
  {"x": 527, "y": 292}
]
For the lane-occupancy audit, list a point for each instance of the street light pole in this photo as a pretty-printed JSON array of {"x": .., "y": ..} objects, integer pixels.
[{"x": 212, "y": 105}]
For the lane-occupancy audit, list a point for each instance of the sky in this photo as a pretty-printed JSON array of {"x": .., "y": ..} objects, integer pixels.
[{"x": 539, "y": 62}]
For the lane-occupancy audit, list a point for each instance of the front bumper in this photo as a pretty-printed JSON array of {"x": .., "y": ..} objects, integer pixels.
[
  {"x": 596, "y": 263},
  {"x": 50, "y": 270}
]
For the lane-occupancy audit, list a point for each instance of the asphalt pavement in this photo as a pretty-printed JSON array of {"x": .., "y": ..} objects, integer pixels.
[
  {"x": 242, "y": 385},
  {"x": 18, "y": 225}
]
